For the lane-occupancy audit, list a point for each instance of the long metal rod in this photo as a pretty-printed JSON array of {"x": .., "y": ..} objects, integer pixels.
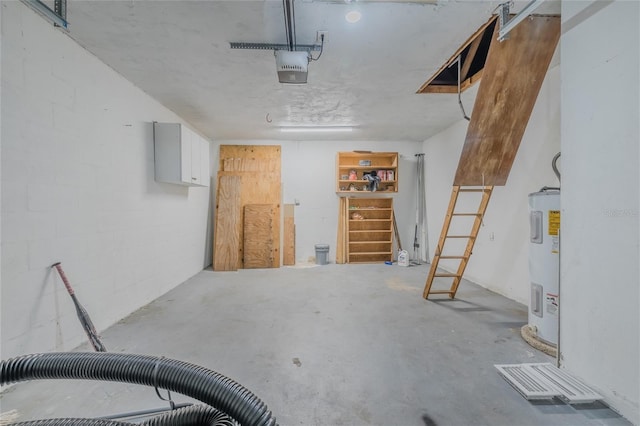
[
  {"x": 275, "y": 46},
  {"x": 528, "y": 10},
  {"x": 288, "y": 23},
  {"x": 464, "y": 114},
  {"x": 558, "y": 352},
  {"x": 293, "y": 24},
  {"x": 421, "y": 240},
  {"x": 145, "y": 412},
  {"x": 46, "y": 12}
]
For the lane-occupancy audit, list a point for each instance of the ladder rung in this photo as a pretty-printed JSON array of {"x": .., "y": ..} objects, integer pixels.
[
  {"x": 440, "y": 292},
  {"x": 466, "y": 214},
  {"x": 446, "y": 275},
  {"x": 474, "y": 190},
  {"x": 453, "y": 257},
  {"x": 460, "y": 236}
]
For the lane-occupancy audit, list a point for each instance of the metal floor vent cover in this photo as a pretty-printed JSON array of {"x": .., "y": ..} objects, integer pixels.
[{"x": 546, "y": 381}]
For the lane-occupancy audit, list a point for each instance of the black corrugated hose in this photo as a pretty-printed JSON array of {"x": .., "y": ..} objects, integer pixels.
[
  {"x": 191, "y": 380},
  {"x": 195, "y": 415},
  {"x": 71, "y": 422},
  {"x": 192, "y": 416}
]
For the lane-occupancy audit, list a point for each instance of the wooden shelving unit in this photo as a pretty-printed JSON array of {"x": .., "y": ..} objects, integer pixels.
[
  {"x": 349, "y": 164},
  {"x": 369, "y": 230}
]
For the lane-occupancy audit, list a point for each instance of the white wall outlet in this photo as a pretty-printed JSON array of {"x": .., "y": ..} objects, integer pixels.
[{"x": 319, "y": 35}]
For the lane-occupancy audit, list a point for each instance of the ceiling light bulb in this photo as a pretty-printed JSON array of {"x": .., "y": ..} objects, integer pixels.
[{"x": 353, "y": 16}]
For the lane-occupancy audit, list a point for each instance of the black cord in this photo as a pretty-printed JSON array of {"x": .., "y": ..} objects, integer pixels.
[{"x": 321, "y": 48}]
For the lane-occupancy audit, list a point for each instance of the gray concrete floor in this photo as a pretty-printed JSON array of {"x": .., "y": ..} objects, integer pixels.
[{"x": 328, "y": 345}]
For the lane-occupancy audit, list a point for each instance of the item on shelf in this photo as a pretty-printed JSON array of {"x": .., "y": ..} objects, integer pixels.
[
  {"x": 373, "y": 179},
  {"x": 352, "y": 187},
  {"x": 353, "y": 166},
  {"x": 357, "y": 216}
]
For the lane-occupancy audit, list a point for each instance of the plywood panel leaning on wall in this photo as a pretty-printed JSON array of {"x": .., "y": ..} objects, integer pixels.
[
  {"x": 289, "y": 236},
  {"x": 513, "y": 74},
  {"x": 341, "y": 250},
  {"x": 228, "y": 225},
  {"x": 259, "y": 220},
  {"x": 258, "y": 168}
]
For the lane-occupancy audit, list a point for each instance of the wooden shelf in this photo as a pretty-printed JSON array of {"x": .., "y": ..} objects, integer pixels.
[
  {"x": 369, "y": 230},
  {"x": 385, "y": 165}
]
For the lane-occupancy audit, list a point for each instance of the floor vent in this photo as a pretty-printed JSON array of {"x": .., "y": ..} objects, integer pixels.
[{"x": 546, "y": 381}]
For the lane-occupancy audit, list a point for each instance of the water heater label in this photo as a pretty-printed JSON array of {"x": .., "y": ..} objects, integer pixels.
[
  {"x": 551, "y": 303},
  {"x": 554, "y": 222}
]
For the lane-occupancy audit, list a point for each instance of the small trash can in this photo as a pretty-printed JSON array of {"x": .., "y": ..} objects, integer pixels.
[{"x": 322, "y": 253}]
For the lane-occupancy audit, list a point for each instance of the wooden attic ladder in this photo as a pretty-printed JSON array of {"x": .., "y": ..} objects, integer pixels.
[
  {"x": 513, "y": 74},
  {"x": 470, "y": 237}
]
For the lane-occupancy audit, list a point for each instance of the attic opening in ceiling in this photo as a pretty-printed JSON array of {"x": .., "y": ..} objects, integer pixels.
[{"x": 472, "y": 54}]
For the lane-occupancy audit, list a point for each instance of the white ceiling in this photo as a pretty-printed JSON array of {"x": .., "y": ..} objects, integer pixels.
[{"x": 178, "y": 52}]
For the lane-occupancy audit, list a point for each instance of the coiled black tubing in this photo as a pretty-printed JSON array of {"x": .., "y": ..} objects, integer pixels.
[
  {"x": 194, "y": 415},
  {"x": 71, "y": 422},
  {"x": 191, "y": 380}
]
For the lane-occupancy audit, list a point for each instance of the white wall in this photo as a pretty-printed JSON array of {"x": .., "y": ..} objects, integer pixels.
[
  {"x": 599, "y": 321},
  {"x": 77, "y": 187},
  {"x": 500, "y": 257},
  {"x": 308, "y": 175},
  {"x": 1, "y": 49}
]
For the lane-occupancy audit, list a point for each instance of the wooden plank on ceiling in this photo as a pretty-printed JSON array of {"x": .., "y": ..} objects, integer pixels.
[
  {"x": 513, "y": 74},
  {"x": 289, "y": 236},
  {"x": 228, "y": 224},
  {"x": 259, "y": 220}
]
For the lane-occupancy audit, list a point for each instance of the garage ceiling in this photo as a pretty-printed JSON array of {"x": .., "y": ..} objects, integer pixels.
[{"x": 178, "y": 52}]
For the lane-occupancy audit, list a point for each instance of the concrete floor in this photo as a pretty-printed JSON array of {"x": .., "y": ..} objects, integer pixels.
[{"x": 328, "y": 345}]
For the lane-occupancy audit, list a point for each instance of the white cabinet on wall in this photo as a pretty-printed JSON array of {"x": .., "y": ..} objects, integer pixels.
[{"x": 181, "y": 155}]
